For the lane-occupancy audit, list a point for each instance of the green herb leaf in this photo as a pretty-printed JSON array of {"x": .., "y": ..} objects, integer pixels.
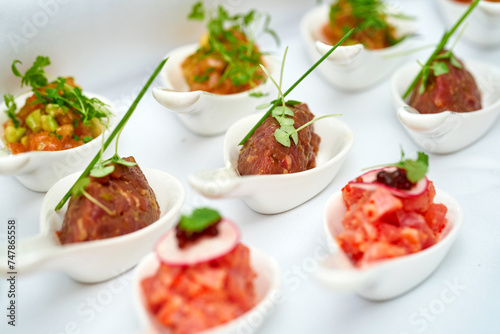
[
  {"x": 101, "y": 171},
  {"x": 118, "y": 160},
  {"x": 197, "y": 12},
  {"x": 415, "y": 169},
  {"x": 199, "y": 220},
  {"x": 11, "y": 108},
  {"x": 35, "y": 76},
  {"x": 454, "y": 61},
  {"x": 259, "y": 94},
  {"x": 75, "y": 137},
  {"x": 439, "y": 68},
  {"x": 55, "y": 134},
  {"x": 282, "y": 137},
  {"x": 86, "y": 139},
  {"x": 79, "y": 186}
]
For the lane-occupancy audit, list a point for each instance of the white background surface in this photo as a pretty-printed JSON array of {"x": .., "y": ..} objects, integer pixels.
[{"x": 111, "y": 48}]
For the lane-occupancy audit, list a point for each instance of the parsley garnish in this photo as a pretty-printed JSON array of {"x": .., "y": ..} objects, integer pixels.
[
  {"x": 86, "y": 139},
  {"x": 437, "y": 54},
  {"x": 55, "y": 134},
  {"x": 199, "y": 220},
  {"x": 232, "y": 39},
  {"x": 415, "y": 169}
]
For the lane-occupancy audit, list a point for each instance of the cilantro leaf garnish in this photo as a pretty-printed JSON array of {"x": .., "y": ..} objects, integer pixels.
[
  {"x": 199, "y": 220},
  {"x": 424, "y": 72}
]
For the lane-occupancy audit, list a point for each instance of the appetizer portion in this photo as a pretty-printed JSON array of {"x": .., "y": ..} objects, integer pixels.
[
  {"x": 204, "y": 279},
  {"x": 391, "y": 212},
  {"x": 368, "y": 17},
  {"x": 108, "y": 206},
  {"x": 58, "y": 116},
  {"x": 227, "y": 61},
  {"x": 263, "y": 154},
  {"x": 446, "y": 86},
  {"x": 443, "y": 83}
]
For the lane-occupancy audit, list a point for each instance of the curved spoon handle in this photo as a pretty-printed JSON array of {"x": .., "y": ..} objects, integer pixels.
[
  {"x": 343, "y": 55},
  {"x": 180, "y": 102},
  {"x": 434, "y": 125},
  {"x": 337, "y": 273},
  {"x": 13, "y": 164},
  {"x": 30, "y": 254},
  {"x": 217, "y": 183}
]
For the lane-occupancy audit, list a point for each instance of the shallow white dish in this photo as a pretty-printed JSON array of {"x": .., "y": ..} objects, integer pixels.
[
  {"x": 98, "y": 260},
  {"x": 483, "y": 24},
  {"x": 201, "y": 112},
  {"x": 267, "y": 287},
  {"x": 276, "y": 193},
  {"x": 448, "y": 132},
  {"x": 388, "y": 278},
  {"x": 37, "y": 170},
  {"x": 352, "y": 68}
]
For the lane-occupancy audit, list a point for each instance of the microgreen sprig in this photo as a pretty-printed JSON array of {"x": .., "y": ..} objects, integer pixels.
[
  {"x": 415, "y": 169},
  {"x": 242, "y": 57},
  {"x": 276, "y": 102},
  {"x": 63, "y": 95},
  {"x": 79, "y": 189},
  {"x": 284, "y": 115},
  {"x": 424, "y": 72},
  {"x": 113, "y": 134}
]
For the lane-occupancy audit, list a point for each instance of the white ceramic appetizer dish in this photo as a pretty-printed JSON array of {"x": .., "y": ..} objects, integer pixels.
[
  {"x": 267, "y": 285},
  {"x": 352, "y": 68},
  {"x": 448, "y": 132},
  {"x": 388, "y": 278},
  {"x": 85, "y": 261},
  {"x": 271, "y": 194},
  {"x": 201, "y": 112},
  {"x": 483, "y": 24},
  {"x": 38, "y": 170}
]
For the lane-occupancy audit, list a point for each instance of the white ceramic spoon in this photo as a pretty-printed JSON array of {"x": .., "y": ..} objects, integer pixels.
[
  {"x": 483, "y": 24},
  {"x": 276, "y": 193},
  {"x": 389, "y": 278},
  {"x": 352, "y": 68},
  {"x": 38, "y": 170},
  {"x": 205, "y": 113},
  {"x": 267, "y": 287},
  {"x": 98, "y": 260},
  {"x": 448, "y": 131}
]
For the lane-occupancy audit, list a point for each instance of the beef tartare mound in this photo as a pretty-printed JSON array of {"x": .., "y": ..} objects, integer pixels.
[
  {"x": 455, "y": 90},
  {"x": 194, "y": 298},
  {"x": 262, "y": 154},
  {"x": 127, "y": 195}
]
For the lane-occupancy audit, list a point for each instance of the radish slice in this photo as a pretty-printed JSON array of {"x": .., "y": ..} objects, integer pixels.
[
  {"x": 369, "y": 182},
  {"x": 203, "y": 250}
]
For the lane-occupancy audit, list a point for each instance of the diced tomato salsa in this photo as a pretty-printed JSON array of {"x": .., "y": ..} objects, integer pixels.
[
  {"x": 195, "y": 298},
  {"x": 379, "y": 225}
]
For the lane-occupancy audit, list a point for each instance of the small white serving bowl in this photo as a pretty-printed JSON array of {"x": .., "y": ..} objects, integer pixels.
[
  {"x": 98, "y": 260},
  {"x": 389, "y": 278},
  {"x": 267, "y": 287},
  {"x": 483, "y": 24},
  {"x": 447, "y": 132},
  {"x": 39, "y": 170},
  {"x": 204, "y": 113},
  {"x": 352, "y": 68},
  {"x": 271, "y": 194}
]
